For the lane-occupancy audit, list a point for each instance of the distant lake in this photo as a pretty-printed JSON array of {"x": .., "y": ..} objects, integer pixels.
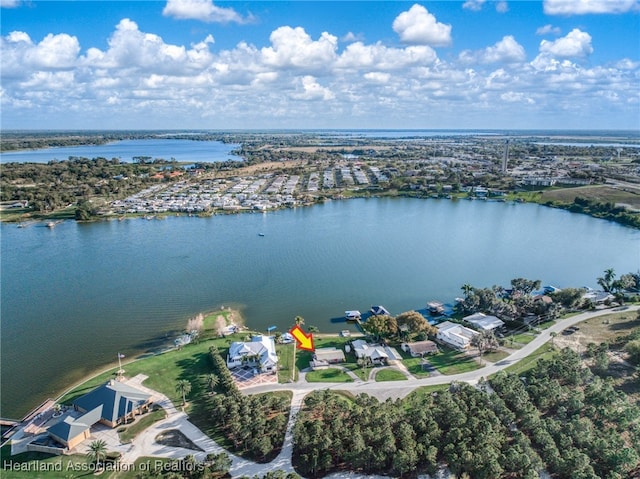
[
  {"x": 125, "y": 150},
  {"x": 74, "y": 296}
]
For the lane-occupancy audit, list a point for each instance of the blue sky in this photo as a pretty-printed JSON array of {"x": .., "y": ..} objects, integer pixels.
[{"x": 436, "y": 64}]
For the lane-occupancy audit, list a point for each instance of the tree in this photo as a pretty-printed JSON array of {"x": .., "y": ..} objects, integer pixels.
[
  {"x": 606, "y": 281},
  {"x": 97, "y": 451},
  {"x": 525, "y": 286},
  {"x": 484, "y": 341},
  {"x": 553, "y": 335},
  {"x": 415, "y": 322},
  {"x": 363, "y": 362},
  {"x": 212, "y": 381},
  {"x": 381, "y": 325},
  {"x": 183, "y": 387},
  {"x": 467, "y": 290}
]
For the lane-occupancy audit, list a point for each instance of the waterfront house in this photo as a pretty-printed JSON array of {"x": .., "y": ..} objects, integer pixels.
[
  {"x": 420, "y": 348},
  {"x": 377, "y": 354},
  {"x": 323, "y": 357},
  {"x": 260, "y": 353},
  {"x": 484, "y": 322},
  {"x": 70, "y": 432},
  {"x": 455, "y": 335},
  {"x": 113, "y": 403}
]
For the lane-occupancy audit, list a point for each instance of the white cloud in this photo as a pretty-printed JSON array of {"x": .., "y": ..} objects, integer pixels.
[
  {"x": 507, "y": 50},
  {"x": 418, "y": 26},
  {"x": 377, "y": 77},
  {"x": 10, "y": 3},
  {"x": 575, "y": 44},
  {"x": 358, "y": 55},
  {"x": 474, "y": 5},
  {"x": 516, "y": 97},
  {"x": 310, "y": 89},
  {"x": 548, "y": 29},
  {"x": 203, "y": 10},
  {"x": 294, "y": 48},
  {"x": 54, "y": 52},
  {"x": 502, "y": 7},
  {"x": 131, "y": 48},
  {"x": 583, "y": 7}
]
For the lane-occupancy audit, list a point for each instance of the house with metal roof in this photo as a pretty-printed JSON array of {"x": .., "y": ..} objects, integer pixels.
[
  {"x": 114, "y": 402},
  {"x": 455, "y": 335},
  {"x": 260, "y": 352},
  {"x": 420, "y": 348},
  {"x": 484, "y": 322}
]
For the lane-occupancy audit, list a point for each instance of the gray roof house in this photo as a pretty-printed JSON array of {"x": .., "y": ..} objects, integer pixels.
[
  {"x": 116, "y": 402},
  {"x": 484, "y": 322}
]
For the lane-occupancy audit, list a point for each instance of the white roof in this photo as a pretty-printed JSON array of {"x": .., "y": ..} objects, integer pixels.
[{"x": 482, "y": 321}]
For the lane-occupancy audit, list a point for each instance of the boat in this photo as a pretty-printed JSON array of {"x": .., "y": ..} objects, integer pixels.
[{"x": 260, "y": 234}]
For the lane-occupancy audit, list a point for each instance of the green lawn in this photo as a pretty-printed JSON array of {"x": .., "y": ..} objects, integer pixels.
[
  {"x": 142, "y": 423},
  {"x": 450, "y": 361},
  {"x": 414, "y": 365},
  {"x": 495, "y": 356},
  {"x": 285, "y": 358},
  {"x": 522, "y": 338},
  {"x": 330, "y": 375},
  {"x": 49, "y": 466},
  {"x": 424, "y": 391},
  {"x": 543, "y": 352},
  {"x": 390, "y": 375}
]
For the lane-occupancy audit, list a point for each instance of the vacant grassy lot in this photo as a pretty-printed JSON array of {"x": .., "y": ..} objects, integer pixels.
[
  {"x": 543, "y": 352},
  {"x": 603, "y": 193},
  {"x": 330, "y": 375},
  {"x": 390, "y": 375},
  {"x": 130, "y": 432},
  {"x": 603, "y": 329}
]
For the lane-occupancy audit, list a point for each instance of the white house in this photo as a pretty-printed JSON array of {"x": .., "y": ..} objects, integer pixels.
[
  {"x": 259, "y": 352},
  {"x": 455, "y": 335},
  {"x": 377, "y": 354},
  {"x": 484, "y": 322}
]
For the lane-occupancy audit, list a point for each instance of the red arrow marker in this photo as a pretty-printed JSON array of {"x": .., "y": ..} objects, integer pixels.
[{"x": 304, "y": 340}]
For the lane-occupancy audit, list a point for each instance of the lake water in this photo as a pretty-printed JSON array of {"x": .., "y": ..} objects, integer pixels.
[
  {"x": 125, "y": 150},
  {"x": 76, "y": 295}
]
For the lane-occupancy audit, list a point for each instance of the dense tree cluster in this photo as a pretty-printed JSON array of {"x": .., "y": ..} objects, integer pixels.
[
  {"x": 515, "y": 303},
  {"x": 58, "y": 184},
  {"x": 254, "y": 425},
  {"x": 462, "y": 427},
  {"x": 606, "y": 210},
  {"x": 409, "y": 322},
  {"x": 578, "y": 423},
  {"x": 560, "y": 418}
]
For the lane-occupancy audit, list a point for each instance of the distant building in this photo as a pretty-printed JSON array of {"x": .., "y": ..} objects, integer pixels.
[{"x": 323, "y": 357}]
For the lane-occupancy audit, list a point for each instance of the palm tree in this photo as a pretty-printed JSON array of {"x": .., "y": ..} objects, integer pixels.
[
  {"x": 212, "y": 381},
  {"x": 183, "y": 387},
  {"x": 467, "y": 289},
  {"x": 299, "y": 320},
  {"x": 314, "y": 329},
  {"x": 607, "y": 281},
  {"x": 97, "y": 451}
]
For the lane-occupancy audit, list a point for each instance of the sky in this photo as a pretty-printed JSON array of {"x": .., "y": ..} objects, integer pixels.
[{"x": 199, "y": 64}]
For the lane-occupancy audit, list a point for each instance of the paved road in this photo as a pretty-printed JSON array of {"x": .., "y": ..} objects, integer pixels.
[{"x": 145, "y": 445}]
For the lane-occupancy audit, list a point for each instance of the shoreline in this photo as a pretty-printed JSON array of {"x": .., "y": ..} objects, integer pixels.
[{"x": 524, "y": 198}]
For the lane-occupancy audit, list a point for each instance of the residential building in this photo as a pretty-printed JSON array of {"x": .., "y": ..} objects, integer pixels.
[
  {"x": 377, "y": 354},
  {"x": 420, "y": 348},
  {"x": 260, "y": 353},
  {"x": 484, "y": 322},
  {"x": 323, "y": 357},
  {"x": 455, "y": 335}
]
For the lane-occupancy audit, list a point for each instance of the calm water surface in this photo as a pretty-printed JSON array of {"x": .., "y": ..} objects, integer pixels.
[
  {"x": 125, "y": 150},
  {"x": 73, "y": 296}
]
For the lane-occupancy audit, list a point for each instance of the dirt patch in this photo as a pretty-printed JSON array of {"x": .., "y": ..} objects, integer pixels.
[{"x": 174, "y": 438}]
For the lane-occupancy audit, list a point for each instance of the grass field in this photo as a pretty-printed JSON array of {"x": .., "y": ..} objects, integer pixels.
[
  {"x": 495, "y": 356},
  {"x": 49, "y": 466},
  {"x": 330, "y": 375},
  {"x": 603, "y": 193},
  {"x": 142, "y": 423},
  {"x": 390, "y": 375},
  {"x": 543, "y": 352}
]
